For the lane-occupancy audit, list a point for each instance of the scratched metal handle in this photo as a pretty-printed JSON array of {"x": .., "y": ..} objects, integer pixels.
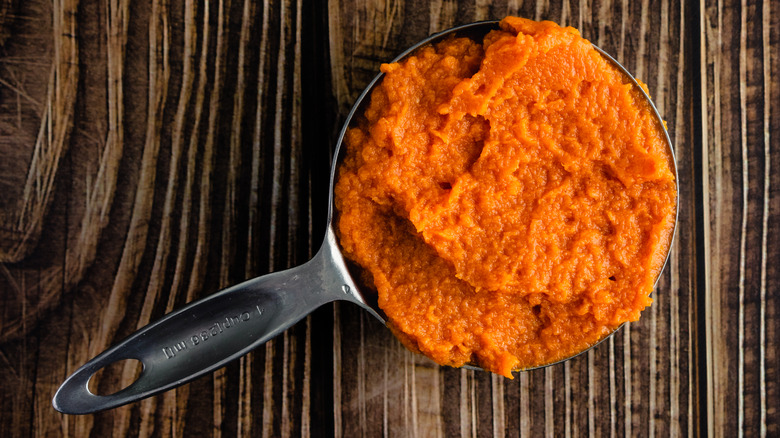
[{"x": 207, "y": 334}]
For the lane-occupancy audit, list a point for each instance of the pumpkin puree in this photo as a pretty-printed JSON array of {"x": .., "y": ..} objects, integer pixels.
[{"x": 512, "y": 202}]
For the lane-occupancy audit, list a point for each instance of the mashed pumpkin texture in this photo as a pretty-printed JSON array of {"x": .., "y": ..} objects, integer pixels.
[{"x": 512, "y": 201}]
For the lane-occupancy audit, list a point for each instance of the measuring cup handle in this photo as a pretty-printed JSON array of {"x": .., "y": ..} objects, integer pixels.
[{"x": 207, "y": 334}]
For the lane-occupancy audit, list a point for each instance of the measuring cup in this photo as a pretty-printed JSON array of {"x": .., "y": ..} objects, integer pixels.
[{"x": 209, "y": 333}]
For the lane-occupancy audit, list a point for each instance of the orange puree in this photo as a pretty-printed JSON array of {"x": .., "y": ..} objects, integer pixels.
[{"x": 512, "y": 202}]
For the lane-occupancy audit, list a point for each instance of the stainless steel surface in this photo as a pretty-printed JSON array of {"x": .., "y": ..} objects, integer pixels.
[{"x": 207, "y": 334}]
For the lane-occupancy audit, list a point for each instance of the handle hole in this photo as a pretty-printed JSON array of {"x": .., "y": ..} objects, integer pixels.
[{"x": 115, "y": 377}]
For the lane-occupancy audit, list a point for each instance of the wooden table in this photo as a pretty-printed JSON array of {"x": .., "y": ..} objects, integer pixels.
[{"x": 154, "y": 151}]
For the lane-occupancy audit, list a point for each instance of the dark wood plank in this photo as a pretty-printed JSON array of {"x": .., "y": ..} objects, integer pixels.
[{"x": 740, "y": 84}]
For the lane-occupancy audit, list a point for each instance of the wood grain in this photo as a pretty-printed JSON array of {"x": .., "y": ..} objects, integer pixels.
[
  {"x": 155, "y": 151},
  {"x": 740, "y": 80}
]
